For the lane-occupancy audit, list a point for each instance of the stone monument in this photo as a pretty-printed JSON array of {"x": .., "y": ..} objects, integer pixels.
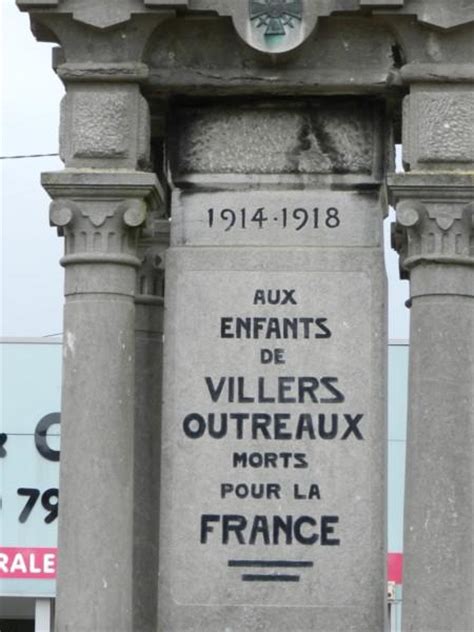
[
  {"x": 273, "y": 416},
  {"x": 256, "y": 138}
]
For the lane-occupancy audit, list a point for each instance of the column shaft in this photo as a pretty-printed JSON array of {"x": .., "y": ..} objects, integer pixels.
[
  {"x": 438, "y": 590},
  {"x": 95, "y": 578},
  {"x": 99, "y": 214},
  {"x": 434, "y": 236},
  {"x": 148, "y": 377}
]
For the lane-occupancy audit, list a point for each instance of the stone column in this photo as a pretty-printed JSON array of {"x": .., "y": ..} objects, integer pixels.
[
  {"x": 99, "y": 214},
  {"x": 273, "y": 434},
  {"x": 148, "y": 377},
  {"x": 100, "y": 202},
  {"x": 434, "y": 235}
]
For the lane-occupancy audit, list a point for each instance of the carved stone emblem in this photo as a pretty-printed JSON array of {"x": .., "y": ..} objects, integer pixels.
[
  {"x": 275, "y": 15},
  {"x": 275, "y": 26}
]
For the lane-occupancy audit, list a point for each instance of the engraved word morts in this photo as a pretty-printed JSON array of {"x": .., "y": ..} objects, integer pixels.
[{"x": 273, "y": 419}]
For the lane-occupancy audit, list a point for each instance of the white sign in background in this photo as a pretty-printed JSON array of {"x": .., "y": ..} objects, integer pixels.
[{"x": 29, "y": 467}]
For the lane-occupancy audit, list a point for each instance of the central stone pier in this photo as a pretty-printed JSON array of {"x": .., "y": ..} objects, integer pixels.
[{"x": 273, "y": 429}]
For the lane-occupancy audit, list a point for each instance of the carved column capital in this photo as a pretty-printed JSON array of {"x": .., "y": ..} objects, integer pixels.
[
  {"x": 434, "y": 219},
  {"x": 151, "y": 250},
  {"x": 100, "y": 214}
]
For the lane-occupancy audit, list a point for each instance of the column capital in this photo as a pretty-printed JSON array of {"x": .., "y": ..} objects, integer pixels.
[
  {"x": 434, "y": 219},
  {"x": 99, "y": 213},
  {"x": 151, "y": 248}
]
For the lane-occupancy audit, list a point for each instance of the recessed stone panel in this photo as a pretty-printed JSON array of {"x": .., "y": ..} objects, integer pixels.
[
  {"x": 273, "y": 435},
  {"x": 438, "y": 125},
  {"x": 329, "y": 136},
  {"x": 108, "y": 126}
]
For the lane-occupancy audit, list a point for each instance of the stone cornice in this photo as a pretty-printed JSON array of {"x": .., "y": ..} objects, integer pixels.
[
  {"x": 94, "y": 184},
  {"x": 108, "y": 14},
  {"x": 436, "y": 186},
  {"x": 442, "y": 14},
  {"x": 437, "y": 73},
  {"x": 151, "y": 248},
  {"x": 103, "y": 72}
]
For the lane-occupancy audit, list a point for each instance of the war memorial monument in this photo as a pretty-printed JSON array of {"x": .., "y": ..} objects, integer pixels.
[{"x": 228, "y": 165}]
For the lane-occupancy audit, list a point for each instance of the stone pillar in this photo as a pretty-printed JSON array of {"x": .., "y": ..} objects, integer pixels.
[
  {"x": 100, "y": 202},
  {"x": 273, "y": 434},
  {"x": 99, "y": 214},
  {"x": 148, "y": 377},
  {"x": 434, "y": 235}
]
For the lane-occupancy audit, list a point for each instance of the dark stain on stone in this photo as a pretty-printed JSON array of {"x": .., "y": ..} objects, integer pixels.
[
  {"x": 327, "y": 144},
  {"x": 397, "y": 56},
  {"x": 304, "y": 142}
]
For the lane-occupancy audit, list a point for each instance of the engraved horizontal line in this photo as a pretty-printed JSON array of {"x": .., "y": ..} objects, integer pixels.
[
  {"x": 270, "y": 563},
  {"x": 270, "y": 578}
]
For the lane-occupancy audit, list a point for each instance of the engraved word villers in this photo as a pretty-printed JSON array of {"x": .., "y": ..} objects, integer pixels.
[{"x": 275, "y": 15}]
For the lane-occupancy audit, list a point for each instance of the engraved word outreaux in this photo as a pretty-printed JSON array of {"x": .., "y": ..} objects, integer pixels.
[{"x": 290, "y": 218}]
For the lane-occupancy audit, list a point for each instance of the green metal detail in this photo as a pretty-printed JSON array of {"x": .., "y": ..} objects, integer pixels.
[{"x": 275, "y": 15}]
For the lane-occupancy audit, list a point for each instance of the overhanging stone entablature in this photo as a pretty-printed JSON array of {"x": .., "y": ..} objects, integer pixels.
[
  {"x": 352, "y": 47},
  {"x": 108, "y": 13}
]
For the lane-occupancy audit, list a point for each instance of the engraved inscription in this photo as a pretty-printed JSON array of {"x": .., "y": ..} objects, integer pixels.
[
  {"x": 296, "y": 218},
  {"x": 266, "y": 428}
]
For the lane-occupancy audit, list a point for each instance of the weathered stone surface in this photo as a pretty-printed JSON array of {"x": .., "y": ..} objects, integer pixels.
[
  {"x": 104, "y": 14},
  {"x": 438, "y": 579},
  {"x": 149, "y": 309},
  {"x": 434, "y": 219},
  {"x": 198, "y": 581},
  {"x": 299, "y": 218},
  {"x": 99, "y": 214},
  {"x": 347, "y": 55},
  {"x": 110, "y": 12},
  {"x": 298, "y": 478},
  {"x": 442, "y": 14},
  {"x": 434, "y": 235},
  {"x": 438, "y": 73},
  {"x": 381, "y": 4},
  {"x": 326, "y": 137},
  {"x": 202, "y": 481},
  {"x": 104, "y": 125},
  {"x": 100, "y": 15},
  {"x": 179, "y": 4},
  {"x": 100, "y": 203},
  {"x": 439, "y": 125},
  {"x": 32, "y": 4}
]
